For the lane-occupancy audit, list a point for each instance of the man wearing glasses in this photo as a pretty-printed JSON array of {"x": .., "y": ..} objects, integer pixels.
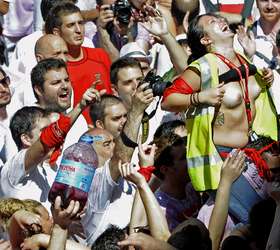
[{"x": 7, "y": 145}]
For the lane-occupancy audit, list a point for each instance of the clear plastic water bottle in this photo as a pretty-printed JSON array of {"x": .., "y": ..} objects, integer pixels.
[{"x": 75, "y": 173}]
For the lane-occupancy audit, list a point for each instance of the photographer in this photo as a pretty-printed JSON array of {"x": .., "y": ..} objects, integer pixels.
[
  {"x": 126, "y": 77},
  {"x": 113, "y": 26}
]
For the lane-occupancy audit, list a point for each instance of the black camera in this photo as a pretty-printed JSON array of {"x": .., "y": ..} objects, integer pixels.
[
  {"x": 156, "y": 83},
  {"x": 122, "y": 11}
]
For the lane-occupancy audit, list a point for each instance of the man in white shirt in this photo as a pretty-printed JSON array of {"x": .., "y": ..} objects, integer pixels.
[
  {"x": 28, "y": 174},
  {"x": 7, "y": 145},
  {"x": 110, "y": 199},
  {"x": 265, "y": 29}
]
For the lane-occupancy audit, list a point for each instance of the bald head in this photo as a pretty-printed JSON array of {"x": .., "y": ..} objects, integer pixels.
[
  {"x": 103, "y": 144},
  {"x": 51, "y": 46}
]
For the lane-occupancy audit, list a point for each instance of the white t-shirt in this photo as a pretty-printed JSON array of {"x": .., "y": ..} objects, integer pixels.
[
  {"x": 264, "y": 45},
  {"x": 16, "y": 183},
  {"x": 90, "y": 27},
  {"x": 19, "y": 20},
  {"x": 108, "y": 203},
  {"x": 7, "y": 145}
]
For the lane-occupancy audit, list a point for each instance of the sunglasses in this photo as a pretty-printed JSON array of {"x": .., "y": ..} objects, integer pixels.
[{"x": 5, "y": 80}]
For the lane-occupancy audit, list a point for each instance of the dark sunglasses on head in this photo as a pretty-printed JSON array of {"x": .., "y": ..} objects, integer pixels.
[{"x": 5, "y": 80}]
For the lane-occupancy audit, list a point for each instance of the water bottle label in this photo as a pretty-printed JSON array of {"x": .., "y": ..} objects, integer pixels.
[{"x": 75, "y": 174}]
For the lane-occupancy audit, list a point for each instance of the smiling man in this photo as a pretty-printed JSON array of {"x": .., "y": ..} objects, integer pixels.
[{"x": 85, "y": 65}]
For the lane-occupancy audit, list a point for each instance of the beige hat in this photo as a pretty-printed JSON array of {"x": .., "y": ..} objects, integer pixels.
[{"x": 135, "y": 51}]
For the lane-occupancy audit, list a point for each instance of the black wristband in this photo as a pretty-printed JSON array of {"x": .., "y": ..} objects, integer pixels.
[{"x": 127, "y": 142}]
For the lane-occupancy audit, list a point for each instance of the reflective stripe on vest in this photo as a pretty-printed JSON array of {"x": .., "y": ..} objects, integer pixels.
[{"x": 204, "y": 162}]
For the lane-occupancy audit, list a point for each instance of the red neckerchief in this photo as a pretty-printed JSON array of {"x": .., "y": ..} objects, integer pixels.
[
  {"x": 244, "y": 85},
  {"x": 260, "y": 163}
]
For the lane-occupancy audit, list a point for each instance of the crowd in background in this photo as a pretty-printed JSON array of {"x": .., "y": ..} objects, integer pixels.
[{"x": 179, "y": 101}]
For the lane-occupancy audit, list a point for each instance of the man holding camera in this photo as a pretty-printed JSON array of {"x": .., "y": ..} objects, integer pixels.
[
  {"x": 126, "y": 77},
  {"x": 85, "y": 65},
  {"x": 113, "y": 26}
]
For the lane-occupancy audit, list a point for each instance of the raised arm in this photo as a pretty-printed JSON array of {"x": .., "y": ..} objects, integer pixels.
[
  {"x": 105, "y": 17},
  {"x": 231, "y": 170},
  {"x": 54, "y": 135},
  {"x": 140, "y": 102},
  {"x": 157, "y": 25},
  {"x": 156, "y": 219},
  {"x": 146, "y": 162}
]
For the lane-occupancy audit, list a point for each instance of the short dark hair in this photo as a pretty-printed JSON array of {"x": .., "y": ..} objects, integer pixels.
[
  {"x": 46, "y": 6},
  {"x": 122, "y": 63},
  {"x": 278, "y": 39},
  {"x": 39, "y": 71},
  {"x": 190, "y": 237},
  {"x": 167, "y": 128},
  {"x": 195, "y": 33},
  {"x": 97, "y": 109},
  {"x": 261, "y": 218},
  {"x": 23, "y": 121},
  {"x": 3, "y": 72},
  {"x": 109, "y": 239},
  {"x": 53, "y": 19},
  {"x": 163, "y": 156}
]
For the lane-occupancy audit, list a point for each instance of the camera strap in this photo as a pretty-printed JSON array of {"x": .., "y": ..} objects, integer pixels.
[
  {"x": 145, "y": 129},
  {"x": 145, "y": 122}
]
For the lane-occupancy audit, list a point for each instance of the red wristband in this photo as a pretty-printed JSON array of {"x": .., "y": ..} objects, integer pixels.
[
  {"x": 147, "y": 172},
  {"x": 55, "y": 133}
]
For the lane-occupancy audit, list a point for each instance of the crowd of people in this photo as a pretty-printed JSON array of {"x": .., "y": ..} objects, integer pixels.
[{"x": 179, "y": 99}]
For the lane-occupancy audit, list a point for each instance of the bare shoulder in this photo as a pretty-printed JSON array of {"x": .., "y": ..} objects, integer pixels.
[{"x": 192, "y": 76}]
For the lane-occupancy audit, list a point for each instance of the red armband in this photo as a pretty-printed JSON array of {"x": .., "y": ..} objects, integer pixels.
[
  {"x": 179, "y": 86},
  {"x": 55, "y": 133},
  {"x": 147, "y": 172}
]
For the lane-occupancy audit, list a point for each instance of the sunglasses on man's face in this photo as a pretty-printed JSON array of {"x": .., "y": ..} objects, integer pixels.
[{"x": 5, "y": 80}]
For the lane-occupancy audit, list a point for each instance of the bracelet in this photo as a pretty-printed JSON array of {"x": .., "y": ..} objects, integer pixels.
[
  {"x": 194, "y": 99},
  {"x": 147, "y": 172}
]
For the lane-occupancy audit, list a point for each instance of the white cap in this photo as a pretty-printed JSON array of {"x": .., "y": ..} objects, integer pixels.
[
  {"x": 182, "y": 36},
  {"x": 135, "y": 51}
]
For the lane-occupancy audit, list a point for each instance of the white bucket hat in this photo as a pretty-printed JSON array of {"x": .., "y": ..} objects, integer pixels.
[{"x": 133, "y": 50}]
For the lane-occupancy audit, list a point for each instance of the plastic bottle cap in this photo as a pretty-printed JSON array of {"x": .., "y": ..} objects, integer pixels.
[{"x": 86, "y": 138}]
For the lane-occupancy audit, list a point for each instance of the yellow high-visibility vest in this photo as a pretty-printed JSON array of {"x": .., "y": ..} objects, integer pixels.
[{"x": 204, "y": 161}]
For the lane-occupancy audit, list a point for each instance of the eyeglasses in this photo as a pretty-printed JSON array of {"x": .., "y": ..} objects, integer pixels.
[{"x": 5, "y": 80}]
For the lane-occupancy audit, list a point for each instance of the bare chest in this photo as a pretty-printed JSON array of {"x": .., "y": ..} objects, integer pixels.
[{"x": 235, "y": 91}]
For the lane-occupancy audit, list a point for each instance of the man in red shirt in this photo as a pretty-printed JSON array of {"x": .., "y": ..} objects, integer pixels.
[{"x": 85, "y": 65}]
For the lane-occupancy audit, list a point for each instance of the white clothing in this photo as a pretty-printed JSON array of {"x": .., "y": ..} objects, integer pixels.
[
  {"x": 37, "y": 16},
  {"x": 254, "y": 12},
  {"x": 108, "y": 203},
  {"x": 16, "y": 183},
  {"x": 24, "y": 57},
  {"x": 90, "y": 27},
  {"x": 164, "y": 63},
  {"x": 8, "y": 147},
  {"x": 77, "y": 130},
  {"x": 160, "y": 117},
  {"x": 18, "y": 21},
  {"x": 264, "y": 45},
  {"x": 23, "y": 95}
]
